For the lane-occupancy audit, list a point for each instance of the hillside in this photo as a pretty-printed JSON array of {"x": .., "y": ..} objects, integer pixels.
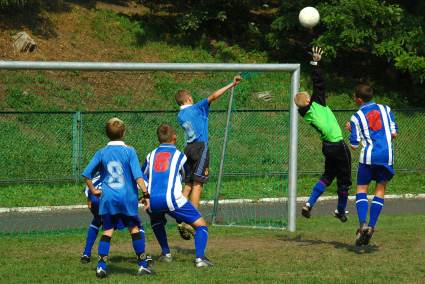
[{"x": 107, "y": 32}]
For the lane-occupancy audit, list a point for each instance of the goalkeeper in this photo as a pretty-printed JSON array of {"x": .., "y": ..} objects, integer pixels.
[{"x": 337, "y": 155}]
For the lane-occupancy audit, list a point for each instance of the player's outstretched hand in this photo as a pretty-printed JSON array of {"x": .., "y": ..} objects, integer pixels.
[
  {"x": 236, "y": 80},
  {"x": 348, "y": 126},
  {"x": 317, "y": 53},
  {"x": 97, "y": 192}
]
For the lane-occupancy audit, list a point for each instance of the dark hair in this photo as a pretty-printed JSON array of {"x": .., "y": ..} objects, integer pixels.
[
  {"x": 364, "y": 92},
  {"x": 115, "y": 129},
  {"x": 181, "y": 96},
  {"x": 165, "y": 133}
]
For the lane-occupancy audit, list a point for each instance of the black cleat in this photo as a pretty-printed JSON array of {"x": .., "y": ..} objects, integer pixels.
[
  {"x": 184, "y": 233},
  {"x": 100, "y": 272},
  {"x": 341, "y": 216},
  {"x": 306, "y": 211},
  {"x": 368, "y": 233},
  {"x": 85, "y": 259},
  {"x": 203, "y": 262},
  {"x": 360, "y": 235}
]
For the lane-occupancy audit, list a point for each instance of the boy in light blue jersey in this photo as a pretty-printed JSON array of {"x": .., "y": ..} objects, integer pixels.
[
  {"x": 120, "y": 175},
  {"x": 164, "y": 169},
  {"x": 373, "y": 125},
  {"x": 193, "y": 118}
]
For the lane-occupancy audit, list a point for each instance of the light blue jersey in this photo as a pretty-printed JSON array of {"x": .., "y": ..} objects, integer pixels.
[
  {"x": 164, "y": 169},
  {"x": 373, "y": 126},
  {"x": 194, "y": 121},
  {"x": 119, "y": 169}
]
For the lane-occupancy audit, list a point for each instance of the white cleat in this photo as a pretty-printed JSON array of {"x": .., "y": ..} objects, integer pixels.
[
  {"x": 165, "y": 258},
  {"x": 203, "y": 262}
]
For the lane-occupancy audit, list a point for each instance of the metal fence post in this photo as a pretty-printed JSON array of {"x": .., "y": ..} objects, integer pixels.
[
  {"x": 76, "y": 146},
  {"x": 223, "y": 155}
]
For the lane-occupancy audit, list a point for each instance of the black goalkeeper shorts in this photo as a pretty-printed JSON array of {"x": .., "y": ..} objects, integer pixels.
[
  {"x": 337, "y": 164},
  {"x": 198, "y": 159}
]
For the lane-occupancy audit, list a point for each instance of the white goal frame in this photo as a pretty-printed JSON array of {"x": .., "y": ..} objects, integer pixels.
[{"x": 194, "y": 67}]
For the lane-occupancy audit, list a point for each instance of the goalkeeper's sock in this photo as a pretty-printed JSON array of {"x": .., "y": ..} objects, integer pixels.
[
  {"x": 103, "y": 251},
  {"x": 362, "y": 205},
  {"x": 201, "y": 239},
  {"x": 92, "y": 232},
  {"x": 161, "y": 236},
  {"x": 342, "y": 201},
  {"x": 375, "y": 210},
  {"x": 318, "y": 190},
  {"x": 138, "y": 240}
]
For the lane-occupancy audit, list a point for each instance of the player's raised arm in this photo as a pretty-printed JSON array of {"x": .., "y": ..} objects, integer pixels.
[
  {"x": 318, "y": 95},
  {"x": 221, "y": 91}
]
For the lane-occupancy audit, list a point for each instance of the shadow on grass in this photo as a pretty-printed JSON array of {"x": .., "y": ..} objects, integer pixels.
[
  {"x": 184, "y": 251},
  {"x": 338, "y": 245}
]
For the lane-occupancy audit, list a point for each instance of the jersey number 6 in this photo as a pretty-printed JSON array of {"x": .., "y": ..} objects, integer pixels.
[{"x": 162, "y": 162}]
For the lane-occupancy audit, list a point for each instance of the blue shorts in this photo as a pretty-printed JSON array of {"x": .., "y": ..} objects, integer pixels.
[
  {"x": 120, "y": 221},
  {"x": 187, "y": 213},
  {"x": 378, "y": 173}
]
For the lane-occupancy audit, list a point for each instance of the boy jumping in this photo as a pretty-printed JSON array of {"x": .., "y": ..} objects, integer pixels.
[
  {"x": 193, "y": 118},
  {"x": 120, "y": 175},
  {"x": 337, "y": 155},
  {"x": 374, "y": 126},
  {"x": 164, "y": 168}
]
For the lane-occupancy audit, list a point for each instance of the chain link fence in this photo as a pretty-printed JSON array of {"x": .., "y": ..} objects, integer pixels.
[{"x": 55, "y": 146}]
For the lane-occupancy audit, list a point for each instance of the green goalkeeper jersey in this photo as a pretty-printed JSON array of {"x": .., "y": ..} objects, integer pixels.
[{"x": 318, "y": 114}]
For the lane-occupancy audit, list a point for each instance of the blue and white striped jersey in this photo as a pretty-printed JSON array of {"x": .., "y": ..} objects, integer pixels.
[
  {"x": 164, "y": 169},
  {"x": 97, "y": 183},
  {"x": 373, "y": 126}
]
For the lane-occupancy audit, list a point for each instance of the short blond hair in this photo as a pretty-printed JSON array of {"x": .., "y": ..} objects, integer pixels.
[
  {"x": 301, "y": 99},
  {"x": 115, "y": 128},
  {"x": 182, "y": 96}
]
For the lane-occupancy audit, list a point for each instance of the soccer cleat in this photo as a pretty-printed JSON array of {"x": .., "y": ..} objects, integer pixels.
[
  {"x": 368, "y": 233},
  {"x": 183, "y": 232},
  {"x": 165, "y": 257},
  {"x": 306, "y": 211},
  {"x": 360, "y": 235},
  {"x": 341, "y": 216},
  {"x": 144, "y": 271},
  {"x": 85, "y": 258},
  {"x": 203, "y": 262},
  {"x": 100, "y": 272}
]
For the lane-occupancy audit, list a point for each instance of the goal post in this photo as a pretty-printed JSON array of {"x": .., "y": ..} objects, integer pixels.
[{"x": 294, "y": 69}]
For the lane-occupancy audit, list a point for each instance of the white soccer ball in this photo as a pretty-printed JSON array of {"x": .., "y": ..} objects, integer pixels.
[{"x": 309, "y": 17}]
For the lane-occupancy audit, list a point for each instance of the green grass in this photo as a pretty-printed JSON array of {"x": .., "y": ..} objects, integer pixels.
[
  {"x": 253, "y": 188},
  {"x": 321, "y": 251}
]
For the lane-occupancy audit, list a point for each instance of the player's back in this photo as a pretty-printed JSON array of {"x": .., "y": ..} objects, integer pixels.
[
  {"x": 164, "y": 168},
  {"x": 119, "y": 189},
  {"x": 194, "y": 120},
  {"x": 375, "y": 126}
]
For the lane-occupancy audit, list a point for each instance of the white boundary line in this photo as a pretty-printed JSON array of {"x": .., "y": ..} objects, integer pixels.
[{"x": 39, "y": 209}]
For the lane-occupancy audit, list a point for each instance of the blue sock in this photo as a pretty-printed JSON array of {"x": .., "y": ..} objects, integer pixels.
[
  {"x": 342, "y": 201},
  {"x": 90, "y": 239},
  {"x": 161, "y": 236},
  {"x": 103, "y": 250},
  {"x": 362, "y": 205},
  {"x": 138, "y": 240},
  {"x": 201, "y": 239},
  {"x": 318, "y": 189},
  {"x": 375, "y": 210}
]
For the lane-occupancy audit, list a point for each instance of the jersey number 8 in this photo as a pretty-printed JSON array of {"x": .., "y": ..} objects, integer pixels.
[{"x": 116, "y": 177}]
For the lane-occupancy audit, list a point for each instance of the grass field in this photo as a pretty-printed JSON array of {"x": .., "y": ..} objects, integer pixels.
[{"x": 321, "y": 251}]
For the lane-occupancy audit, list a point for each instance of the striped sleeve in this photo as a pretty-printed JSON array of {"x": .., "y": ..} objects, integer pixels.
[
  {"x": 393, "y": 124},
  {"x": 355, "y": 133}
]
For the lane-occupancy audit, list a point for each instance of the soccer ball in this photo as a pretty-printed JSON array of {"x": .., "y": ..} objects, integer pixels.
[{"x": 309, "y": 17}]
